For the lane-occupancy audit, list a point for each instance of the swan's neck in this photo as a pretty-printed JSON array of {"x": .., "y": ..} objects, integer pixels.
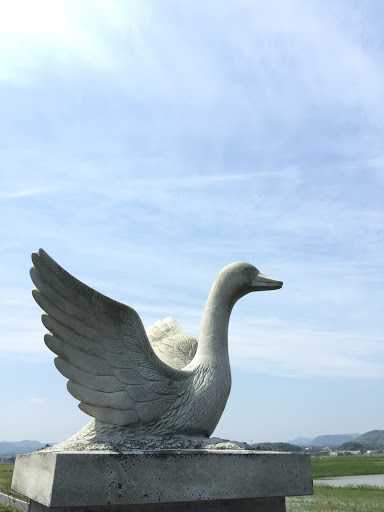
[{"x": 213, "y": 338}]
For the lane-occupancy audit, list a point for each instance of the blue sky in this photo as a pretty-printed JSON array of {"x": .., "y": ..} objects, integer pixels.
[{"x": 145, "y": 145}]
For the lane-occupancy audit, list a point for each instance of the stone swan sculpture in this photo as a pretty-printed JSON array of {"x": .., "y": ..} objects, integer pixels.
[{"x": 162, "y": 382}]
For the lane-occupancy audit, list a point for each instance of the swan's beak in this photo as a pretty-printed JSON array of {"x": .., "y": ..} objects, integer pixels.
[{"x": 262, "y": 282}]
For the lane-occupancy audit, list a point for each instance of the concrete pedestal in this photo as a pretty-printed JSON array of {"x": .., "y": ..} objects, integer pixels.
[{"x": 173, "y": 480}]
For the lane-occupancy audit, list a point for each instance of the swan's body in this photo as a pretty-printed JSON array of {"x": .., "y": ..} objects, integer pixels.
[{"x": 159, "y": 382}]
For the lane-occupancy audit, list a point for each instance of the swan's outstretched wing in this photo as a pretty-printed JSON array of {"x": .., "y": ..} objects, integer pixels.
[
  {"x": 103, "y": 350},
  {"x": 171, "y": 343}
]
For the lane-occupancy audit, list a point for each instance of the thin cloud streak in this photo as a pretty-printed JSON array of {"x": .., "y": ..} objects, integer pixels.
[
  {"x": 276, "y": 348},
  {"x": 36, "y": 400},
  {"x": 25, "y": 193}
]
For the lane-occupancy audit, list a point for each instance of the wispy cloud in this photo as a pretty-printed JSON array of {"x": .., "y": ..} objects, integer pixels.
[
  {"x": 27, "y": 192},
  {"x": 36, "y": 401},
  {"x": 278, "y": 349}
]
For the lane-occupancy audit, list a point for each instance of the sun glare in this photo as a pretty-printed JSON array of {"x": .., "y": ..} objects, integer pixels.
[{"x": 37, "y": 19}]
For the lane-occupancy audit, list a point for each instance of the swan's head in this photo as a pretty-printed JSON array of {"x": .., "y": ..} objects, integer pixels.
[{"x": 245, "y": 278}]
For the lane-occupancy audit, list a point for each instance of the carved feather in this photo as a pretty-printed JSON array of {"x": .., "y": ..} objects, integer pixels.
[
  {"x": 171, "y": 344},
  {"x": 103, "y": 350}
]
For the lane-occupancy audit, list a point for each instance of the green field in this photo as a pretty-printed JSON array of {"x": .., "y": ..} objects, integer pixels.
[
  {"x": 362, "y": 498},
  {"x": 347, "y": 466},
  {"x": 6, "y": 508},
  {"x": 6, "y": 471}
]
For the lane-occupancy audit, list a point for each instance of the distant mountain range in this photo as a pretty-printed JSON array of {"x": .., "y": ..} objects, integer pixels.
[
  {"x": 373, "y": 439},
  {"x": 325, "y": 440},
  {"x": 10, "y": 448},
  {"x": 333, "y": 440},
  {"x": 301, "y": 441}
]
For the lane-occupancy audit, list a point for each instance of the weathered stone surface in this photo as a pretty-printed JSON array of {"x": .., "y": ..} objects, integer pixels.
[
  {"x": 98, "y": 436},
  {"x": 65, "y": 479},
  {"x": 243, "y": 505}
]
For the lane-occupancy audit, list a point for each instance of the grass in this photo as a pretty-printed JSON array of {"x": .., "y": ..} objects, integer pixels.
[
  {"x": 6, "y": 472},
  {"x": 360, "y": 498},
  {"x": 6, "y": 508},
  {"x": 347, "y": 466}
]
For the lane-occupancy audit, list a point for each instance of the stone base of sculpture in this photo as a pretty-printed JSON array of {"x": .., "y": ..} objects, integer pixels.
[
  {"x": 246, "y": 505},
  {"x": 161, "y": 480}
]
